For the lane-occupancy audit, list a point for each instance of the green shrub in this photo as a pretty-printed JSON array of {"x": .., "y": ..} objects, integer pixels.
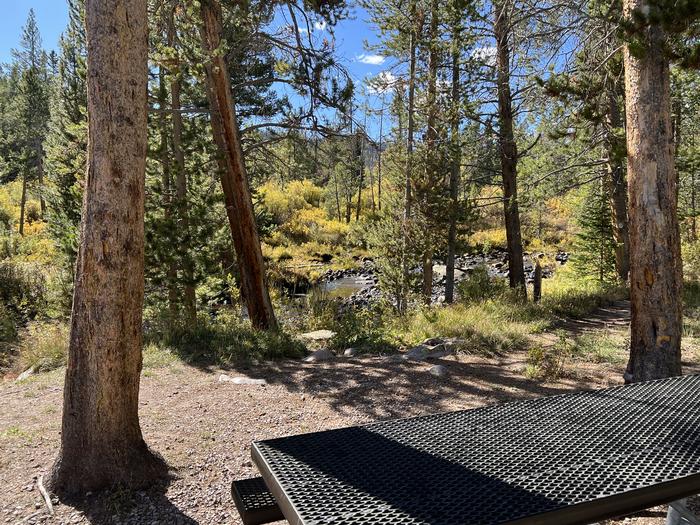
[
  {"x": 361, "y": 328},
  {"x": 488, "y": 327},
  {"x": 546, "y": 363},
  {"x": 223, "y": 340},
  {"x": 23, "y": 288},
  {"x": 44, "y": 346},
  {"x": 479, "y": 286}
]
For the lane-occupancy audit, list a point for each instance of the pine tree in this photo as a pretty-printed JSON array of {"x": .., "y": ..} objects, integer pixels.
[
  {"x": 66, "y": 148},
  {"x": 595, "y": 246},
  {"x": 34, "y": 113}
]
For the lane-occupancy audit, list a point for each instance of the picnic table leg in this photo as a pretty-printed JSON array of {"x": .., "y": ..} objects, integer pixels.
[{"x": 678, "y": 514}]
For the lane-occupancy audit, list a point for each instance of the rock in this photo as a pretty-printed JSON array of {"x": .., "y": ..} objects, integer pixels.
[
  {"x": 24, "y": 375},
  {"x": 241, "y": 380},
  {"x": 438, "y": 371},
  {"x": 417, "y": 353},
  {"x": 351, "y": 352},
  {"x": 433, "y": 341},
  {"x": 323, "y": 354},
  {"x": 394, "y": 358},
  {"x": 438, "y": 351},
  {"x": 318, "y": 335}
]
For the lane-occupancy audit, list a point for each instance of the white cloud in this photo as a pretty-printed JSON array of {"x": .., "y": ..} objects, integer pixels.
[
  {"x": 373, "y": 60},
  {"x": 320, "y": 25},
  {"x": 486, "y": 54},
  {"x": 381, "y": 83}
]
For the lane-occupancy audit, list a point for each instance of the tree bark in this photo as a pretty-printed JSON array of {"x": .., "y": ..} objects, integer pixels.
[
  {"x": 456, "y": 159},
  {"x": 431, "y": 146},
  {"x": 411, "y": 114},
  {"x": 101, "y": 441},
  {"x": 617, "y": 191},
  {"x": 655, "y": 260},
  {"x": 234, "y": 179},
  {"x": 508, "y": 150},
  {"x": 186, "y": 263}
]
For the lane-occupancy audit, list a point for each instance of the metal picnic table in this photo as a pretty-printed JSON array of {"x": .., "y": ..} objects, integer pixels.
[{"x": 566, "y": 459}]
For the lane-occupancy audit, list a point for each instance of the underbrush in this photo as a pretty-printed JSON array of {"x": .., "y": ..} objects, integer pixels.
[
  {"x": 44, "y": 346},
  {"x": 224, "y": 340}
]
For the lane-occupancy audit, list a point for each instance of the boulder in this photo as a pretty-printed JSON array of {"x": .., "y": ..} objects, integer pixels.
[
  {"x": 351, "y": 352},
  {"x": 322, "y": 354},
  {"x": 417, "y": 353}
]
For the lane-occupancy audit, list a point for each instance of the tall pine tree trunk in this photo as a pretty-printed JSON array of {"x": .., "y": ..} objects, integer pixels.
[
  {"x": 455, "y": 168},
  {"x": 655, "y": 260},
  {"x": 408, "y": 176},
  {"x": 101, "y": 441},
  {"x": 186, "y": 262},
  {"x": 234, "y": 179},
  {"x": 617, "y": 192},
  {"x": 508, "y": 149},
  {"x": 431, "y": 146},
  {"x": 171, "y": 273}
]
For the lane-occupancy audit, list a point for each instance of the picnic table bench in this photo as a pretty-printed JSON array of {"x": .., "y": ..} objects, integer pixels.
[{"x": 567, "y": 459}]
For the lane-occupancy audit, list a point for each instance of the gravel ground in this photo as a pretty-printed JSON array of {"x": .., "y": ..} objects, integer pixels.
[{"x": 203, "y": 427}]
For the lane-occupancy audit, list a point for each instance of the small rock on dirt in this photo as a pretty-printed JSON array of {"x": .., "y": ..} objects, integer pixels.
[
  {"x": 322, "y": 354},
  {"x": 241, "y": 380},
  {"x": 318, "y": 335},
  {"x": 433, "y": 341},
  {"x": 438, "y": 371},
  {"x": 351, "y": 352}
]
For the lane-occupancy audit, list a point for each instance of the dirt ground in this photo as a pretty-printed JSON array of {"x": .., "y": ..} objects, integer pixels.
[{"x": 203, "y": 427}]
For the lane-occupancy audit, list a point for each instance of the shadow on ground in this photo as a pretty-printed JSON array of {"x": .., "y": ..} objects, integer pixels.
[
  {"x": 125, "y": 507},
  {"x": 366, "y": 384}
]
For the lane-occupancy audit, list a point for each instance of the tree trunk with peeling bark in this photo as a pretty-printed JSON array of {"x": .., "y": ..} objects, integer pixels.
[
  {"x": 234, "y": 179},
  {"x": 655, "y": 259},
  {"x": 101, "y": 441}
]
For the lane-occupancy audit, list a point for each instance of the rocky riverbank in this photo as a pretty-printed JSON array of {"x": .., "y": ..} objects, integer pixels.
[{"x": 365, "y": 278}]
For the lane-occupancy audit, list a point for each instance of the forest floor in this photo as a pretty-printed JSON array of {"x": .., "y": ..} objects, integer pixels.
[{"x": 203, "y": 427}]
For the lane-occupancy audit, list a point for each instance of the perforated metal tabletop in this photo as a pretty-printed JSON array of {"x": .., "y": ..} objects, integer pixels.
[{"x": 573, "y": 458}]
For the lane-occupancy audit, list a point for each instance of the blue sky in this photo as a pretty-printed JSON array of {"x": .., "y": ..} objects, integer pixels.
[{"x": 52, "y": 16}]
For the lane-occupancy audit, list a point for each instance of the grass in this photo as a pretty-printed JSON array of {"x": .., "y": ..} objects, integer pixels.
[
  {"x": 491, "y": 320},
  {"x": 552, "y": 362},
  {"x": 484, "y": 328},
  {"x": 44, "y": 346},
  {"x": 155, "y": 356},
  {"x": 223, "y": 341},
  {"x": 15, "y": 432}
]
